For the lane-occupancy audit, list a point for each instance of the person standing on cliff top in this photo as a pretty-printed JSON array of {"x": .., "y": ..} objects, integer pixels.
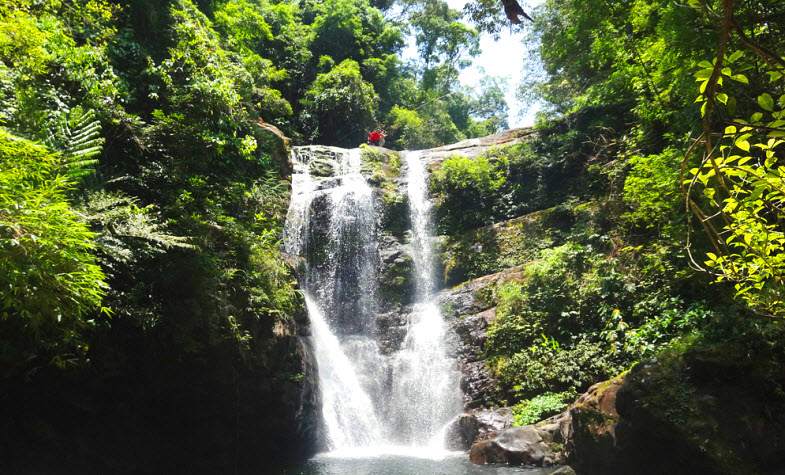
[{"x": 376, "y": 137}]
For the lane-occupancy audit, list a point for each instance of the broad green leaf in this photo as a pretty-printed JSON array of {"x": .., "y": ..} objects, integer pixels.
[
  {"x": 740, "y": 78},
  {"x": 766, "y": 101},
  {"x": 735, "y": 56},
  {"x": 743, "y": 144}
]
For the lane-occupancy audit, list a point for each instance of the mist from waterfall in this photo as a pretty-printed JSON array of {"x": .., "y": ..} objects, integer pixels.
[{"x": 371, "y": 402}]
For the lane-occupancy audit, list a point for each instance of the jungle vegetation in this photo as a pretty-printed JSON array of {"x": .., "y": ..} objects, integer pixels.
[{"x": 142, "y": 203}]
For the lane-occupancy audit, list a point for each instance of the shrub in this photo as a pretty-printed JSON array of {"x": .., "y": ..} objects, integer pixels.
[
  {"x": 549, "y": 366},
  {"x": 531, "y": 411},
  {"x": 464, "y": 189},
  {"x": 408, "y": 130},
  {"x": 652, "y": 189}
]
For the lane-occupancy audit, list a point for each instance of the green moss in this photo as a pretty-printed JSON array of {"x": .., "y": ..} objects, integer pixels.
[
  {"x": 511, "y": 243},
  {"x": 383, "y": 168},
  {"x": 396, "y": 285},
  {"x": 381, "y": 164},
  {"x": 709, "y": 396}
]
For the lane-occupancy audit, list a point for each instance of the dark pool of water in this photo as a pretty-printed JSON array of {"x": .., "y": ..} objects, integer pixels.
[{"x": 402, "y": 465}]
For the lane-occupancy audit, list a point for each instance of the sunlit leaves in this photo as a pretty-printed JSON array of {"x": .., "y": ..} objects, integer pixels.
[
  {"x": 48, "y": 273},
  {"x": 743, "y": 181}
]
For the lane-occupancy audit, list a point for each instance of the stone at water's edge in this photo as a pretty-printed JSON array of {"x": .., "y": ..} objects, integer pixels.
[
  {"x": 566, "y": 470},
  {"x": 462, "y": 432},
  {"x": 516, "y": 446},
  {"x": 493, "y": 421}
]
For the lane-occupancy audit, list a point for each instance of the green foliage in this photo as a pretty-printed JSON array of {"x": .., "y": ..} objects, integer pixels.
[
  {"x": 352, "y": 29},
  {"x": 463, "y": 189},
  {"x": 651, "y": 187},
  {"x": 744, "y": 183},
  {"x": 622, "y": 52},
  {"x": 409, "y": 131},
  {"x": 531, "y": 411},
  {"x": 53, "y": 61},
  {"x": 48, "y": 273},
  {"x": 124, "y": 230},
  {"x": 441, "y": 36},
  {"x": 574, "y": 317},
  {"x": 199, "y": 77},
  {"x": 547, "y": 367},
  {"x": 340, "y": 105}
]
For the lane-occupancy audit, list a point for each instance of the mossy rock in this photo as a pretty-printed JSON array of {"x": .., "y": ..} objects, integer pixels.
[
  {"x": 708, "y": 409},
  {"x": 382, "y": 167},
  {"x": 510, "y": 243},
  {"x": 322, "y": 167},
  {"x": 396, "y": 286}
]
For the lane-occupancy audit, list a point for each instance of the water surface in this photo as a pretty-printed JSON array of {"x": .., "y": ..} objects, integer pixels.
[{"x": 395, "y": 464}]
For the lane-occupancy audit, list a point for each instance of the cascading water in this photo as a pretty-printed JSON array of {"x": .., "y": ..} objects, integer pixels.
[
  {"x": 371, "y": 401},
  {"x": 426, "y": 393},
  {"x": 339, "y": 289}
]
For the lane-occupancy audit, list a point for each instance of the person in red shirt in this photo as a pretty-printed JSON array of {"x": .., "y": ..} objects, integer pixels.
[{"x": 376, "y": 137}]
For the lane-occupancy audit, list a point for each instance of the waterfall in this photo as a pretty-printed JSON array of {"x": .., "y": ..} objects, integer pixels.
[
  {"x": 426, "y": 393},
  {"x": 370, "y": 401}
]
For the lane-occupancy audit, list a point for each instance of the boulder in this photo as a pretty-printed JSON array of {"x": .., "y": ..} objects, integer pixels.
[
  {"x": 462, "y": 432},
  {"x": 592, "y": 438},
  {"x": 485, "y": 452},
  {"x": 556, "y": 429},
  {"x": 493, "y": 421},
  {"x": 708, "y": 409},
  {"x": 515, "y": 446}
]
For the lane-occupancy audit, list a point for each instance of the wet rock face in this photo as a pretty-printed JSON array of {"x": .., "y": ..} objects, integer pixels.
[
  {"x": 396, "y": 287},
  {"x": 462, "y": 432},
  {"x": 468, "y": 311},
  {"x": 391, "y": 328},
  {"x": 307, "y": 412}
]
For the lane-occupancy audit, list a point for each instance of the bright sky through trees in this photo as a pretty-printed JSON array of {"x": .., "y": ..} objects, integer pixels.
[{"x": 505, "y": 57}]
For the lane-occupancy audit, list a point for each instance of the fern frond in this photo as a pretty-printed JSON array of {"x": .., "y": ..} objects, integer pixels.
[
  {"x": 78, "y": 137},
  {"x": 125, "y": 230}
]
